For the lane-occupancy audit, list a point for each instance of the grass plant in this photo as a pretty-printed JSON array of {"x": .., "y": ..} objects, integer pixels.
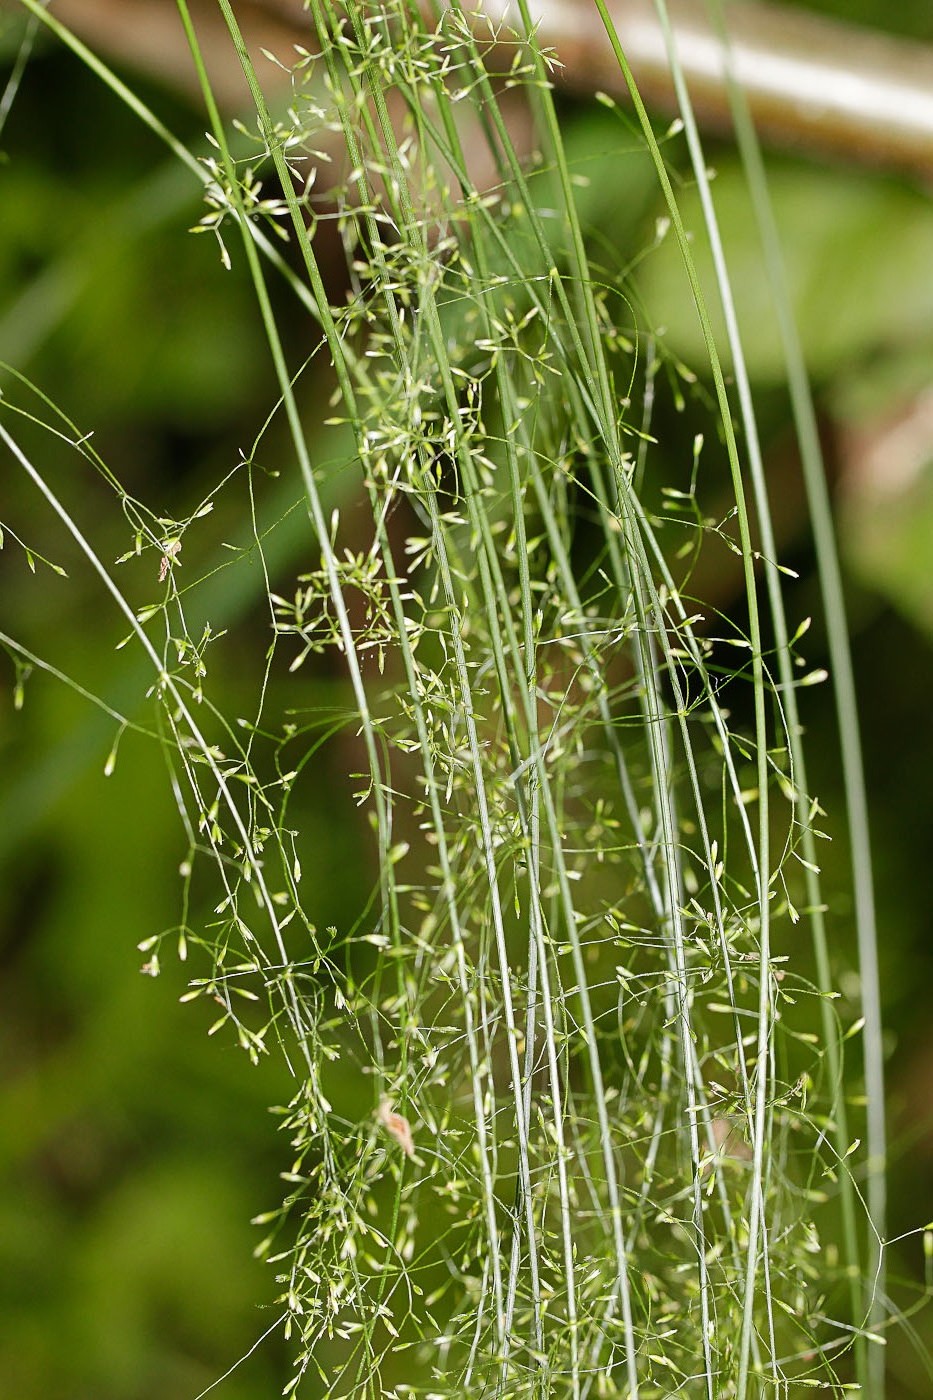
[{"x": 568, "y": 1118}]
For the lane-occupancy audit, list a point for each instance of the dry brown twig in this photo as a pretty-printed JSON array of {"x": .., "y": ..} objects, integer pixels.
[{"x": 810, "y": 82}]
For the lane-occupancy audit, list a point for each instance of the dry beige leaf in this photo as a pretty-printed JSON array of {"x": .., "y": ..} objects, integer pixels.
[
  {"x": 169, "y": 557},
  {"x": 396, "y": 1126}
]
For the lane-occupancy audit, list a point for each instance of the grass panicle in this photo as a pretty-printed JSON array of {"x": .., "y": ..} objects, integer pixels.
[{"x": 568, "y": 1118}]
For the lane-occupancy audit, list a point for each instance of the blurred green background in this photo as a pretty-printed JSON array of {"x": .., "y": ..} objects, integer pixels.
[{"x": 134, "y": 1149}]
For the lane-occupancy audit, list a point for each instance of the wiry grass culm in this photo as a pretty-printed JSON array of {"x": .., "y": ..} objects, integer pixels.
[{"x": 569, "y": 1111}]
